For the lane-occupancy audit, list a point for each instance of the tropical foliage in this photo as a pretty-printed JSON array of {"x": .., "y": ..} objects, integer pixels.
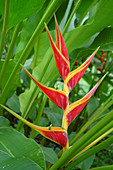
[{"x": 68, "y": 73}]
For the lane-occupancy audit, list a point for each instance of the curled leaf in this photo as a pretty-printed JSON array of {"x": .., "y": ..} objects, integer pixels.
[
  {"x": 56, "y": 96},
  {"x": 76, "y": 75},
  {"x": 61, "y": 61}
]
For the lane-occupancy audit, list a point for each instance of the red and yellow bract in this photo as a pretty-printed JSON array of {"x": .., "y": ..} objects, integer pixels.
[{"x": 61, "y": 98}]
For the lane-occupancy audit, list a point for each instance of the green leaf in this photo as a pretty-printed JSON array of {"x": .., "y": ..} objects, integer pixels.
[
  {"x": 17, "y": 163},
  {"x": 83, "y": 9},
  {"x": 92, "y": 105},
  {"x": 18, "y": 146},
  {"x": 86, "y": 164},
  {"x": 50, "y": 154},
  {"x": 13, "y": 103},
  {"x": 19, "y": 10},
  {"x": 29, "y": 26},
  {"x": 104, "y": 40},
  {"x": 8, "y": 71},
  {"x": 81, "y": 35},
  {"x": 54, "y": 118},
  {"x": 4, "y": 122}
]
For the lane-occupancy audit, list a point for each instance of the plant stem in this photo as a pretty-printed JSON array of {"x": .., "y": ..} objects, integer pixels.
[
  {"x": 4, "y": 27},
  {"x": 92, "y": 151},
  {"x": 108, "y": 167},
  {"x": 10, "y": 51},
  {"x": 69, "y": 154},
  {"x": 36, "y": 49},
  {"x": 33, "y": 132},
  {"x": 18, "y": 116},
  {"x": 71, "y": 16},
  {"x": 104, "y": 107},
  {"x": 95, "y": 141}
]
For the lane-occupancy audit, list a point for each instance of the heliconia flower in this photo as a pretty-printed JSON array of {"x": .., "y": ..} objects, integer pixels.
[
  {"x": 60, "y": 98},
  {"x": 56, "y": 96},
  {"x": 62, "y": 62},
  {"x": 76, "y": 75},
  {"x": 76, "y": 107},
  {"x": 56, "y": 134}
]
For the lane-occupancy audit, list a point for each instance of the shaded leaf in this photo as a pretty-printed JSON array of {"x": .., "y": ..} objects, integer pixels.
[
  {"x": 13, "y": 103},
  {"x": 50, "y": 154},
  {"x": 4, "y": 122},
  {"x": 13, "y": 83}
]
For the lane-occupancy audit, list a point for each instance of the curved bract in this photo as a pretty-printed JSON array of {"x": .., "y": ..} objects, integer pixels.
[{"x": 61, "y": 98}]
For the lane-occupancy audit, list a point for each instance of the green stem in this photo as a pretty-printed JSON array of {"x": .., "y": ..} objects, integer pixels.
[
  {"x": 4, "y": 27},
  {"x": 108, "y": 167},
  {"x": 68, "y": 155},
  {"x": 46, "y": 17},
  {"x": 17, "y": 116},
  {"x": 92, "y": 151},
  {"x": 36, "y": 49},
  {"x": 10, "y": 51},
  {"x": 97, "y": 137},
  {"x": 71, "y": 16},
  {"x": 104, "y": 107},
  {"x": 33, "y": 132}
]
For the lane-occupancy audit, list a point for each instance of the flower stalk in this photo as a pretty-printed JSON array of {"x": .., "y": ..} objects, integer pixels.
[{"x": 61, "y": 98}]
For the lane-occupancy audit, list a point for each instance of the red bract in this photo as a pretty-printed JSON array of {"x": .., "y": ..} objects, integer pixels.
[
  {"x": 55, "y": 134},
  {"x": 61, "y": 61},
  {"x": 76, "y": 107},
  {"x": 56, "y": 96},
  {"x": 60, "y": 42},
  {"x": 60, "y": 98},
  {"x": 76, "y": 75}
]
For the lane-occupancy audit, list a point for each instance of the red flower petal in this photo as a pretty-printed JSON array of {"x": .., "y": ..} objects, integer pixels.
[
  {"x": 56, "y": 96},
  {"x": 55, "y": 134},
  {"x": 60, "y": 42},
  {"x": 61, "y": 62},
  {"x": 76, "y": 75},
  {"x": 76, "y": 107}
]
